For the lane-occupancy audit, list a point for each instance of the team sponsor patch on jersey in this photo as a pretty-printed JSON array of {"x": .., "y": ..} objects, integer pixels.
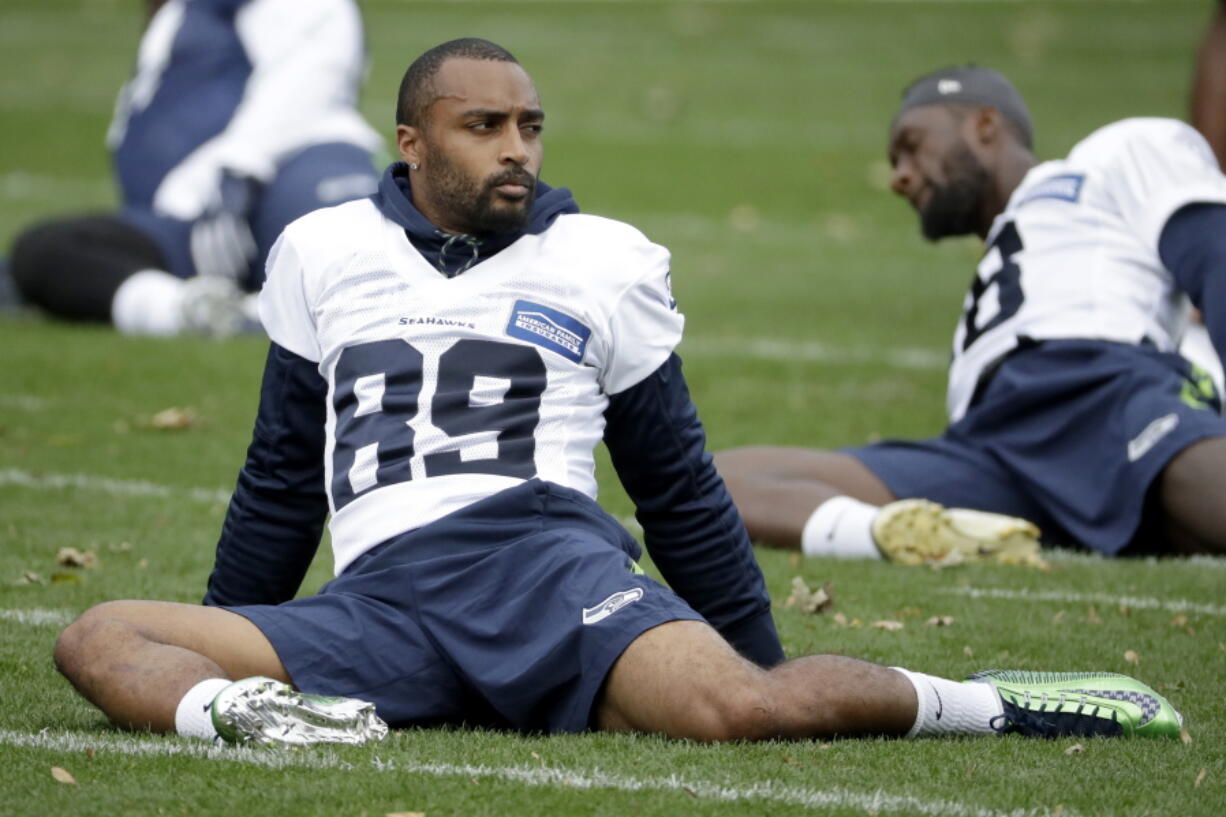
[
  {"x": 1065, "y": 187},
  {"x": 549, "y": 328},
  {"x": 611, "y": 605}
]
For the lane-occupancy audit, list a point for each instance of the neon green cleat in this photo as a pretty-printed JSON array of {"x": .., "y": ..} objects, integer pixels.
[
  {"x": 262, "y": 710},
  {"x": 1079, "y": 704},
  {"x": 916, "y": 531}
]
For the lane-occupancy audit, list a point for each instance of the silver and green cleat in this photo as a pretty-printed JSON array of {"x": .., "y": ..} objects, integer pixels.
[
  {"x": 1079, "y": 704},
  {"x": 260, "y": 710}
]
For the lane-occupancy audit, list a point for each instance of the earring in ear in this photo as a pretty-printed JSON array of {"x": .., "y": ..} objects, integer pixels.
[{"x": 412, "y": 165}]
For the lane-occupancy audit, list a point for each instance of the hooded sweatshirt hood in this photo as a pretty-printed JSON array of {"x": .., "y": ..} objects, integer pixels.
[{"x": 453, "y": 253}]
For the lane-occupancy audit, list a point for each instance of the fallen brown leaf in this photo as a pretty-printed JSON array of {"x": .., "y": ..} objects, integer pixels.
[
  {"x": 1131, "y": 657},
  {"x": 940, "y": 621},
  {"x": 405, "y": 814},
  {"x": 1179, "y": 621},
  {"x": 30, "y": 577},
  {"x": 1075, "y": 749},
  {"x": 887, "y": 625},
  {"x": 1200, "y": 776},
  {"x": 1185, "y": 736},
  {"x": 808, "y": 600},
  {"x": 1058, "y": 617},
  {"x": 1092, "y": 615},
  {"x": 174, "y": 419},
  {"x": 71, "y": 557},
  {"x": 840, "y": 620},
  {"x": 968, "y": 652},
  {"x": 62, "y": 775}
]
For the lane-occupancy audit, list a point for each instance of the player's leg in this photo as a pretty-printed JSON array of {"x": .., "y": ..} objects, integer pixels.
[
  {"x": 72, "y": 268},
  {"x": 680, "y": 679},
  {"x": 202, "y": 672},
  {"x": 776, "y": 489},
  {"x": 843, "y": 503},
  {"x": 683, "y": 680},
  {"x": 1191, "y": 488},
  {"x": 135, "y": 660}
]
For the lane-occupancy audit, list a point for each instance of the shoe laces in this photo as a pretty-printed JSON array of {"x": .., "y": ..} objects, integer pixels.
[{"x": 1045, "y": 716}]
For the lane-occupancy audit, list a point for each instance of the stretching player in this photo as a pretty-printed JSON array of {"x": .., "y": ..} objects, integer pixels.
[
  {"x": 1067, "y": 404},
  {"x": 240, "y": 117},
  {"x": 445, "y": 355}
]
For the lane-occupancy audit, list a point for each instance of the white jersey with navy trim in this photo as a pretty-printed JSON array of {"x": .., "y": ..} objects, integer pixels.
[
  {"x": 237, "y": 86},
  {"x": 443, "y": 391},
  {"x": 1075, "y": 252}
]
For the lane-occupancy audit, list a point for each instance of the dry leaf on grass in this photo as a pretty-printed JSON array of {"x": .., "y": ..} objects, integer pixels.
[
  {"x": 30, "y": 577},
  {"x": 174, "y": 419},
  {"x": 940, "y": 621},
  {"x": 808, "y": 600},
  {"x": 1132, "y": 657},
  {"x": 887, "y": 625},
  {"x": 1185, "y": 736},
  {"x": 1179, "y": 621},
  {"x": 1058, "y": 617},
  {"x": 62, "y": 775},
  {"x": 1075, "y": 749},
  {"x": 71, "y": 557},
  {"x": 405, "y": 814},
  {"x": 968, "y": 652},
  {"x": 1200, "y": 777},
  {"x": 1092, "y": 615}
]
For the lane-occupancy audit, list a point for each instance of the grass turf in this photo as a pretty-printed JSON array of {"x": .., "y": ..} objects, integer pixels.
[{"x": 747, "y": 137}]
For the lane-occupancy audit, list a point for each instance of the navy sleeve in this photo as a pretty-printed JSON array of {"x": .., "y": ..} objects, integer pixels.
[
  {"x": 276, "y": 515},
  {"x": 690, "y": 526},
  {"x": 1193, "y": 247}
]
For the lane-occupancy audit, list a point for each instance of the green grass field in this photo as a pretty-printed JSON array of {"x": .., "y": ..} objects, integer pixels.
[{"x": 749, "y": 138}]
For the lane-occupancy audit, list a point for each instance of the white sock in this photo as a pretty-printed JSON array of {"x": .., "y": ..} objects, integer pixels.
[
  {"x": 194, "y": 716},
  {"x": 952, "y": 707},
  {"x": 841, "y": 526},
  {"x": 149, "y": 302}
]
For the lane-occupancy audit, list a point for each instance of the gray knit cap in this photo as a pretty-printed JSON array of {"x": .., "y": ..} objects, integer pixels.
[{"x": 974, "y": 85}]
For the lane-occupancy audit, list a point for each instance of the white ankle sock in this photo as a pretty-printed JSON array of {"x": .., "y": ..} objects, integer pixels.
[
  {"x": 952, "y": 707},
  {"x": 841, "y": 526},
  {"x": 149, "y": 302},
  {"x": 194, "y": 716}
]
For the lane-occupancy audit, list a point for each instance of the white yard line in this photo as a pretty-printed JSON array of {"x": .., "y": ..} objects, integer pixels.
[
  {"x": 38, "y": 617},
  {"x": 321, "y": 758},
  {"x": 1108, "y": 599},
  {"x": 776, "y": 349},
  {"x": 108, "y": 485},
  {"x": 22, "y": 402}
]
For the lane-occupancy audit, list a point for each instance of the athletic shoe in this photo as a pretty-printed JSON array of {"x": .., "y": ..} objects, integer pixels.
[
  {"x": 916, "y": 531},
  {"x": 214, "y": 306},
  {"x": 1079, "y": 704},
  {"x": 262, "y": 710}
]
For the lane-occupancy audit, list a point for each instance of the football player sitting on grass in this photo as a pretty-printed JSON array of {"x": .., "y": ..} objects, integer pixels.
[{"x": 1070, "y": 409}]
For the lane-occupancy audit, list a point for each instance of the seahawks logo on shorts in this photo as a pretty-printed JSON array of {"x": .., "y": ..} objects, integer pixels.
[{"x": 611, "y": 605}]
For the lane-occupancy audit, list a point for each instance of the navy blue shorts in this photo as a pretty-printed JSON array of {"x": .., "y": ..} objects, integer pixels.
[
  {"x": 508, "y": 613},
  {"x": 318, "y": 176},
  {"x": 1068, "y": 434}
]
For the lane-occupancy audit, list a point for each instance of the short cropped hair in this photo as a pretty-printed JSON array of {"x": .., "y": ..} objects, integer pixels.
[{"x": 417, "y": 90}]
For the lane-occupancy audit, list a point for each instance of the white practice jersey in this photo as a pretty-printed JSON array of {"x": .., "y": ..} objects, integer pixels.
[
  {"x": 443, "y": 391},
  {"x": 1075, "y": 253}
]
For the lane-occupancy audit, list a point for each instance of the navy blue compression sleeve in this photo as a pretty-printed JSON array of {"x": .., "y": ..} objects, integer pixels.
[
  {"x": 277, "y": 513},
  {"x": 690, "y": 526},
  {"x": 1193, "y": 248}
]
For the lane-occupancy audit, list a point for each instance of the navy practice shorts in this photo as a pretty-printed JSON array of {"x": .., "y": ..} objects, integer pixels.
[
  {"x": 1068, "y": 434},
  {"x": 508, "y": 613},
  {"x": 318, "y": 176}
]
